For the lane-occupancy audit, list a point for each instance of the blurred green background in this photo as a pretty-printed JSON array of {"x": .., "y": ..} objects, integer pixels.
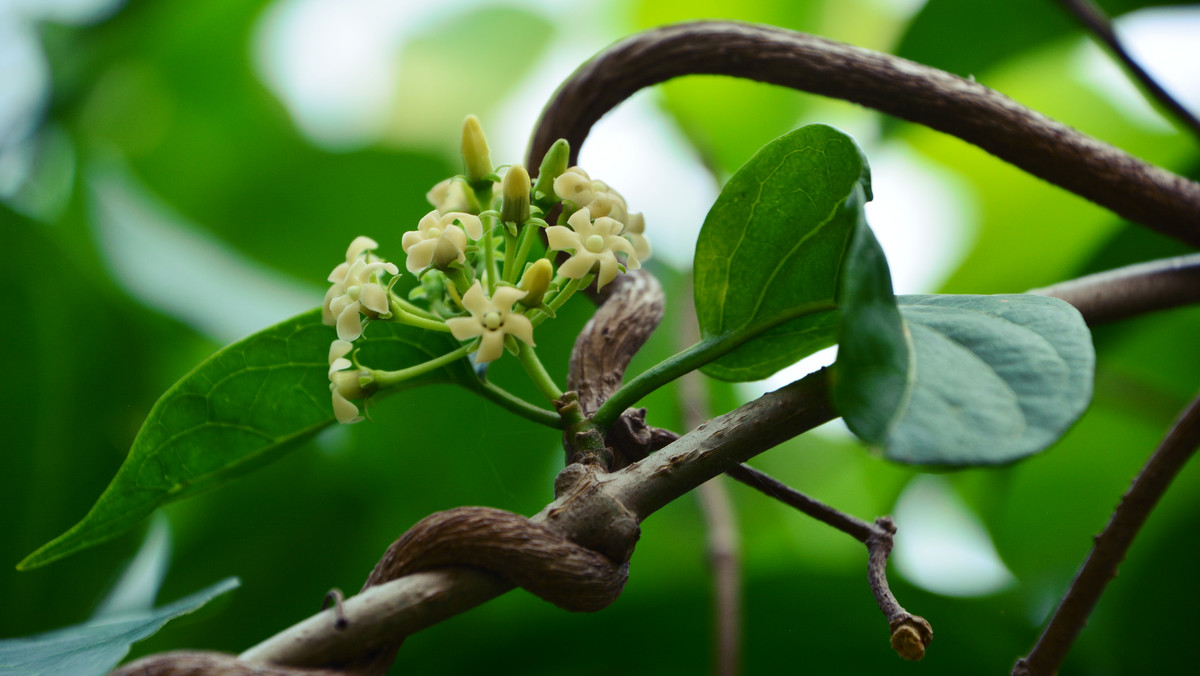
[{"x": 174, "y": 176}]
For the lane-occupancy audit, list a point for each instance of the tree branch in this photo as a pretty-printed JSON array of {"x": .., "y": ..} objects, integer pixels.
[
  {"x": 582, "y": 513},
  {"x": 1093, "y": 18},
  {"x": 1112, "y": 544},
  {"x": 1132, "y": 290},
  {"x": 1043, "y": 147}
]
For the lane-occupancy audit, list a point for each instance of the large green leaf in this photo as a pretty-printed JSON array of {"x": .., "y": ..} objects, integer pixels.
[
  {"x": 242, "y": 408},
  {"x": 769, "y": 254},
  {"x": 96, "y": 646},
  {"x": 992, "y": 379}
]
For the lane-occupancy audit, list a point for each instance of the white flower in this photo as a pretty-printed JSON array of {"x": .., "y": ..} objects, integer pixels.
[
  {"x": 575, "y": 185},
  {"x": 357, "y": 288},
  {"x": 592, "y": 244},
  {"x": 449, "y": 195},
  {"x": 635, "y": 229},
  {"x": 343, "y": 384},
  {"x": 438, "y": 240},
  {"x": 491, "y": 318}
]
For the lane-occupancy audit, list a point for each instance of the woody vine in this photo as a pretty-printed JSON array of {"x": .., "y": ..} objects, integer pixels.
[{"x": 786, "y": 265}]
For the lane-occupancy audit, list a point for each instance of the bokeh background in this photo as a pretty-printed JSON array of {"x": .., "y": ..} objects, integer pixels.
[{"x": 174, "y": 176}]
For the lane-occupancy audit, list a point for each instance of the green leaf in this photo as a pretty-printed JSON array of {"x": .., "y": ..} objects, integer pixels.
[
  {"x": 993, "y": 379},
  {"x": 769, "y": 254},
  {"x": 242, "y": 408},
  {"x": 96, "y": 646},
  {"x": 872, "y": 376}
]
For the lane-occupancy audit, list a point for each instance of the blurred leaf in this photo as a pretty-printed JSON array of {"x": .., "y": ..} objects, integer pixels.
[
  {"x": 873, "y": 369},
  {"x": 968, "y": 38},
  {"x": 715, "y": 112},
  {"x": 994, "y": 378},
  {"x": 137, "y": 587},
  {"x": 96, "y": 646},
  {"x": 244, "y": 407},
  {"x": 771, "y": 249}
]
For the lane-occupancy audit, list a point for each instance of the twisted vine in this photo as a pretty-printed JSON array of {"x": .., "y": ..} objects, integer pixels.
[{"x": 589, "y": 531}]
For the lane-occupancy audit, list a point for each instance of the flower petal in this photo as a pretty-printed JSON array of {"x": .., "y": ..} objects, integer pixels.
[
  {"x": 470, "y": 223},
  {"x": 519, "y": 326},
  {"x": 339, "y": 364},
  {"x": 505, "y": 296},
  {"x": 339, "y": 349},
  {"x": 561, "y": 238},
  {"x": 358, "y": 246},
  {"x": 339, "y": 273},
  {"x": 421, "y": 255},
  {"x": 608, "y": 269},
  {"x": 345, "y": 412},
  {"x": 491, "y": 348},
  {"x": 581, "y": 222},
  {"x": 463, "y": 328},
  {"x": 578, "y": 265},
  {"x": 475, "y": 301},
  {"x": 328, "y": 318},
  {"x": 348, "y": 325},
  {"x": 374, "y": 298}
]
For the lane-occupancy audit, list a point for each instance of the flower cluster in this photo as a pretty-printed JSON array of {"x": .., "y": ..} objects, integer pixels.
[{"x": 480, "y": 271}]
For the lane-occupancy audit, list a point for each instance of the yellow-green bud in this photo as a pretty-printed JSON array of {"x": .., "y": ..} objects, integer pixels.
[
  {"x": 553, "y": 165},
  {"x": 515, "y": 207},
  {"x": 476, "y": 158},
  {"x": 536, "y": 281}
]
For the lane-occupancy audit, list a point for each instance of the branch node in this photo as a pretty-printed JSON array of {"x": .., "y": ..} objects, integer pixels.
[
  {"x": 339, "y": 611},
  {"x": 911, "y": 634}
]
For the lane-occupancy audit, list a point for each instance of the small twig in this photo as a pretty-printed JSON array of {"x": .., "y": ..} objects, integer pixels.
[
  {"x": 1112, "y": 544},
  {"x": 1132, "y": 290},
  {"x": 911, "y": 634},
  {"x": 1093, "y": 18},
  {"x": 854, "y": 527},
  {"x": 339, "y": 611}
]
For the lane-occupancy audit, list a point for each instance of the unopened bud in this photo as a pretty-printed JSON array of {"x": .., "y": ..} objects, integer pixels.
[
  {"x": 515, "y": 207},
  {"x": 536, "y": 281},
  {"x": 475, "y": 153},
  {"x": 553, "y": 165}
]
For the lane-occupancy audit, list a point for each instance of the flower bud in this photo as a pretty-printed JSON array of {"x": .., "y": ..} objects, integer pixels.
[
  {"x": 515, "y": 207},
  {"x": 475, "y": 154},
  {"x": 536, "y": 281},
  {"x": 553, "y": 165}
]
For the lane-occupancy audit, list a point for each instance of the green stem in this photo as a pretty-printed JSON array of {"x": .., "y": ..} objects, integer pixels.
[
  {"x": 510, "y": 255},
  {"x": 409, "y": 307},
  {"x": 562, "y": 297},
  {"x": 525, "y": 243},
  {"x": 537, "y": 372},
  {"x": 515, "y": 404},
  {"x": 489, "y": 259},
  {"x": 691, "y": 359},
  {"x": 390, "y": 378},
  {"x": 402, "y": 315}
]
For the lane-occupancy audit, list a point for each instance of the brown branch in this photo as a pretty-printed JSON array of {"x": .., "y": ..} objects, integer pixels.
[
  {"x": 724, "y": 560},
  {"x": 1093, "y": 18},
  {"x": 1132, "y": 290},
  {"x": 1043, "y": 147},
  {"x": 1112, "y": 544}
]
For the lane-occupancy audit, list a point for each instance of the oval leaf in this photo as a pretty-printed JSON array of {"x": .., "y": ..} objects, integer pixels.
[
  {"x": 768, "y": 256},
  {"x": 993, "y": 379},
  {"x": 242, "y": 408}
]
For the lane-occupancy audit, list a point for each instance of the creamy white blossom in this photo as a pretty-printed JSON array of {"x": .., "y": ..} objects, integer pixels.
[
  {"x": 492, "y": 318},
  {"x": 635, "y": 232},
  {"x": 592, "y": 244},
  {"x": 357, "y": 288},
  {"x": 449, "y": 195},
  {"x": 575, "y": 185},
  {"x": 343, "y": 384},
  {"x": 439, "y": 240}
]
